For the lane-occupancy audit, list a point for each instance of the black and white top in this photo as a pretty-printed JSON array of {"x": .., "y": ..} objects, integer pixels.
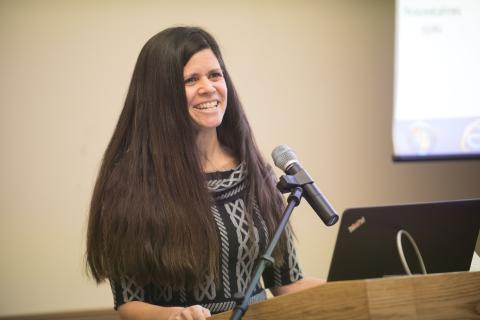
[{"x": 238, "y": 255}]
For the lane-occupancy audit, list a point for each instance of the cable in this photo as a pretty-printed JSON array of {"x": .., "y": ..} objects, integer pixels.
[{"x": 402, "y": 255}]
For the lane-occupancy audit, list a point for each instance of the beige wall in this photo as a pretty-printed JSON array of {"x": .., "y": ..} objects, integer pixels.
[{"x": 316, "y": 75}]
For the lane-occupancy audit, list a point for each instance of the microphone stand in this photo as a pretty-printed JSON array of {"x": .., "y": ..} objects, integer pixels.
[{"x": 286, "y": 184}]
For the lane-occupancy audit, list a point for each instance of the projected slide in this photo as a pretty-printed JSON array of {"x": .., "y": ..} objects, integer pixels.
[{"x": 437, "y": 79}]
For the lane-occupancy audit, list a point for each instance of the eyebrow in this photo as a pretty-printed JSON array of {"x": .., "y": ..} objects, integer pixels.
[{"x": 196, "y": 73}]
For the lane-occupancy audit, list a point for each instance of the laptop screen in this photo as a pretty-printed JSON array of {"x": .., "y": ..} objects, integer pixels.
[{"x": 444, "y": 232}]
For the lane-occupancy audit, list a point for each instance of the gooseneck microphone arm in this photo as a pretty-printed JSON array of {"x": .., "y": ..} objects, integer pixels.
[{"x": 266, "y": 260}]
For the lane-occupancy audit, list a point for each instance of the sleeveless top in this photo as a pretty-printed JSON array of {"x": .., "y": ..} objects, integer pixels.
[{"x": 238, "y": 255}]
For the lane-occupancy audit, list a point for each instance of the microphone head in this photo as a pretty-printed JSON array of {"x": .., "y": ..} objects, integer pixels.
[{"x": 283, "y": 157}]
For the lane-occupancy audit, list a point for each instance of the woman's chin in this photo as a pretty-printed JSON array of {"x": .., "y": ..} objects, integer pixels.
[{"x": 207, "y": 124}]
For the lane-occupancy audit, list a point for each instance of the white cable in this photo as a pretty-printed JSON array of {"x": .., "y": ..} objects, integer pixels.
[{"x": 402, "y": 255}]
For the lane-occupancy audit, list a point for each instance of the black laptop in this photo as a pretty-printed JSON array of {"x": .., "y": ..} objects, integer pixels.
[{"x": 445, "y": 234}]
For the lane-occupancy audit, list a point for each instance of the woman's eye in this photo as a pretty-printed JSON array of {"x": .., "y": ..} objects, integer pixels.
[
  {"x": 190, "y": 80},
  {"x": 216, "y": 75}
]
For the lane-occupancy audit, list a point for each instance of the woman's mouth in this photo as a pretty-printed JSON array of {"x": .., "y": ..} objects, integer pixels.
[{"x": 206, "y": 105}]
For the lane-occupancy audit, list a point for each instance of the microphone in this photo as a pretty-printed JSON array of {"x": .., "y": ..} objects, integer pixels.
[{"x": 285, "y": 159}]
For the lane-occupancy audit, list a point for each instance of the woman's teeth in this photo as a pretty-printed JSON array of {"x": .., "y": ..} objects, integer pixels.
[{"x": 207, "y": 105}]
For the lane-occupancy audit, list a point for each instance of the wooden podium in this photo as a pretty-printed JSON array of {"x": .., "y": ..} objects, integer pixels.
[{"x": 438, "y": 296}]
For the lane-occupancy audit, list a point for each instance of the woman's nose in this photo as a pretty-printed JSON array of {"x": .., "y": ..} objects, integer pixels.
[{"x": 206, "y": 86}]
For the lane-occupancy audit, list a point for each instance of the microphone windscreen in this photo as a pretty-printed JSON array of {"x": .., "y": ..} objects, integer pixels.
[{"x": 283, "y": 156}]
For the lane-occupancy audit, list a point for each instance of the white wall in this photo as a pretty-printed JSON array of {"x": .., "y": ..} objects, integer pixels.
[{"x": 316, "y": 75}]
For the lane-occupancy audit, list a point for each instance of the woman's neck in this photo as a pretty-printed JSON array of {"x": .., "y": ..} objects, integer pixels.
[{"x": 213, "y": 156}]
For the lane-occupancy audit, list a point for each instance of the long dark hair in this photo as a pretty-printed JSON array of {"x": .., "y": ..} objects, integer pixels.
[{"x": 150, "y": 214}]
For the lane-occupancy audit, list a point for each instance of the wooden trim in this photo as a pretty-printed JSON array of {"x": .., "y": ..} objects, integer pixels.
[
  {"x": 437, "y": 296},
  {"x": 100, "y": 314}
]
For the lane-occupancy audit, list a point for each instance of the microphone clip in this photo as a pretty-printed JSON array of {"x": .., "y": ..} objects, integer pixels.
[
  {"x": 289, "y": 182},
  {"x": 293, "y": 184}
]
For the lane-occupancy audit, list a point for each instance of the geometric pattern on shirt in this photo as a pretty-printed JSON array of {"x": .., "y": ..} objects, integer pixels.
[
  {"x": 163, "y": 293},
  {"x": 206, "y": 290},
  {"x": 293, "y": 266},
  {"x": 216, "y": 307},
  {"x": 218, "y": 185},
  {"x": 256, "y": 210},
  {"x": 295, "y": 273},
  {"x": 246, "y": 254},
  {"x": 277, "y": 276},
  {"x": 131, "y": 291},
  {"x": 224, "y": 251},
  {"x": 231, "y": 193},
  {"x": 183, "y": 295}
]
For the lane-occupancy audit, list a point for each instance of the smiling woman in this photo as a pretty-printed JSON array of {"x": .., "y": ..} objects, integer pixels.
[
  {"x": 206, "y": 90},
  {"x": 184, "y": 203}
]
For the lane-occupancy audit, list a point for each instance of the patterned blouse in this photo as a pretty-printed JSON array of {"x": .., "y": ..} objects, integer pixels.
[{"x": 238, "y": 254}]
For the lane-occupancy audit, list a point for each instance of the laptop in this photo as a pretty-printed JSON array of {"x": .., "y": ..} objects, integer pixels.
[{"x": 445, "y": 234}]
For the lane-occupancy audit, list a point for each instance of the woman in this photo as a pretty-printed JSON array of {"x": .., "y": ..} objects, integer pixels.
[{"x": 184, "y": 203}]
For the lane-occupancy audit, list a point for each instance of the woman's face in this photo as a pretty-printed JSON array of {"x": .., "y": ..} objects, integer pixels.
[{"x": 206, "y": 89}]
